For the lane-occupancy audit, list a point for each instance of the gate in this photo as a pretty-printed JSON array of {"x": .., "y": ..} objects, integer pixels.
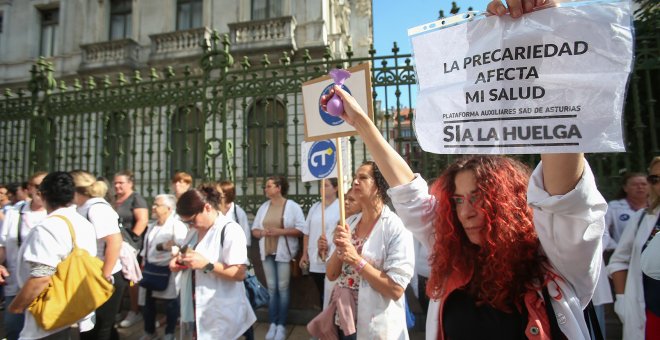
[{"x": 227, "y": 119}]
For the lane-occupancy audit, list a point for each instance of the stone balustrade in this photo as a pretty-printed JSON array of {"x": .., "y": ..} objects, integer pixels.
[
  {"x": 178, "y": 43},
  {"x": 114, "y": 53},
  {"x": 263, "y": 34}
]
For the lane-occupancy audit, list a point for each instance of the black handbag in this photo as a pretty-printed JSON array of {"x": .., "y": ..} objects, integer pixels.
[{"x": 154, "y": 278}]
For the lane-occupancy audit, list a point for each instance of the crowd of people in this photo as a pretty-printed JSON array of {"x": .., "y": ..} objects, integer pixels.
[{"x": 498, "y": 250}]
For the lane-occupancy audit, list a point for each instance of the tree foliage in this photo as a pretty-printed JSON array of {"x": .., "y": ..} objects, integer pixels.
[{"x": 648, "y": 16}]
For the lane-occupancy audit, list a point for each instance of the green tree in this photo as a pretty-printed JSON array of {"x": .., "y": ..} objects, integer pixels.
[{"x": 647, "y": 17}]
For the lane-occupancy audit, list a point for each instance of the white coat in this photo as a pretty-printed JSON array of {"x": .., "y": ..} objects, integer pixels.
[
  {"x": 222, "y": 310},
  {"x": 172, "y": 229},
  {"x": 570, "y": 228},
  {"x": 313, "y": 230},
  {"x": 603, "y": 291},
  {"x": 627, "y": 257},
  {"x": 390, "y": 249},
  {"x": 293, "y": 218}
]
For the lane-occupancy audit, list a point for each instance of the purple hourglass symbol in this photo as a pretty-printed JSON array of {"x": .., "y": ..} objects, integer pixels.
[{"x": 335, "y": 105}]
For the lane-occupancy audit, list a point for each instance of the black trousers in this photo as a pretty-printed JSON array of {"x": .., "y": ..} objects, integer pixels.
[{"x": 104, "y": 329}]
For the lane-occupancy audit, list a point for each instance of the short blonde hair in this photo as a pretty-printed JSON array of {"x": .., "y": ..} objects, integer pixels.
[{"x": 86, "y": 184}]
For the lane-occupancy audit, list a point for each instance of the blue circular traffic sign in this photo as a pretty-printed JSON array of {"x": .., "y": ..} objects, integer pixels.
[{"x": 322, "y": 158}]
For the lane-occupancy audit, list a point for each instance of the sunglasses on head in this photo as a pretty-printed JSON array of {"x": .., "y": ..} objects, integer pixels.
[{"x": 653, "y": 179}]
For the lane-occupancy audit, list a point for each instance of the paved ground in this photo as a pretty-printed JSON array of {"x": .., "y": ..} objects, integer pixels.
[
  {"x": 294, "y": 332},
  {"x": 299, "y": 332}
]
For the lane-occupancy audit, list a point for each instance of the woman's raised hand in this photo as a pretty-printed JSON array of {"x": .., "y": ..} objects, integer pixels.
[
  {"x": 352, "y": 110},
  {"x": 516, "y": 7}
]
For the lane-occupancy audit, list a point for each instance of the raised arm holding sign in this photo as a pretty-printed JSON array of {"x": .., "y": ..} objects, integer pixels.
[
  {"x": 553, "y": 81},
  {"x": 501, "y": 241}
]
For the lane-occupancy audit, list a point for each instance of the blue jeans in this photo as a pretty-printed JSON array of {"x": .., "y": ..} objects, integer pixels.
[
  {"x": 278, "y": 275},
  {"x": 13, "y": 322},
  {"x": 149, "y": 314}
]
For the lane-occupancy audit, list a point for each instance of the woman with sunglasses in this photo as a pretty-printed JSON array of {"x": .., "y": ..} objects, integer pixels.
[
  {"x": 372, "y": 260},
  {"x": 638, "y": 295},
  {"x": 508, "y": 252},
  {"x": 213, "y": 259}
]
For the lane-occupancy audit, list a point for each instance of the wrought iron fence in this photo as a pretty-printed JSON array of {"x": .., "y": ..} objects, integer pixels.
[{"x": 226, "y": 119}]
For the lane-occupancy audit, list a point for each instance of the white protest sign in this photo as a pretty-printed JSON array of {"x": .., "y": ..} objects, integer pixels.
[
  {"x": 319, "y": 159},
  {"x": 551, "y": 81},
  {"x": 319, "y": 124}
]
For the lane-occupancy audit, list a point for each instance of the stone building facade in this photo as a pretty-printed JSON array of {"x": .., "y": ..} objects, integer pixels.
[{"x": 83, "y": 37}]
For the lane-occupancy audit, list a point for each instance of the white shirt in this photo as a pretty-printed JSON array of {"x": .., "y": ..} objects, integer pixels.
[
  {"x": 172, "y": 229},
  {"x": 105, "y": 221},
  {"x": 49, "y": 243},
  {"x": 312, "y": 229},
  {"x": 618, "y": 214},
  {"x": 9, "y": 239},
  {"x": 651, "y": 259},
  {"x": 238, "y": 215},
  {"x": 293, "y": 218},
  {"x": 222, "y": 308},
  {"x": 569, "y": 227}
]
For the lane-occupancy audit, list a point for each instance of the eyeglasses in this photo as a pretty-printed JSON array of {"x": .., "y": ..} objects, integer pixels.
[
  {"x": 191, "y": 221},
  {"x": 473, "y": 198},
  {"x": 362, "y": 178},
  {"x": 653, "y": 179}
]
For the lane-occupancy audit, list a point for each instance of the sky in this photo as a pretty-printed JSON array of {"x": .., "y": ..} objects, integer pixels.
[{"x": 393, "y": 18}]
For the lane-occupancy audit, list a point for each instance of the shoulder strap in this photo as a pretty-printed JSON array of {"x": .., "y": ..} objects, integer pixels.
[
  {"x": 20, "y": 222},
  {"x": 641, "y": 218},
  {"x": 592, "y": 322},
  {"x": 286, "y": 238},
  {"x": 93, "y": 204},
  {"x": 222, "y": 235},
  {"x": 283, "y": 210},
  {"x": 71, "y": 231},
  {"x": 555, "y": 332},
  {"x": 222, "y": 243}
]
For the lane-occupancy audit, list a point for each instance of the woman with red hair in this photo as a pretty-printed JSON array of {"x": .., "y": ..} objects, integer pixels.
[
  {"x": 512, "y": 256},
  {"x": 501, "y": 245}
]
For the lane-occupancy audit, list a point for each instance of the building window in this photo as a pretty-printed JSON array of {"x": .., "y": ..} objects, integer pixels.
[
  {"x": 188, "y": 14},
  {"x": 2, "y": 15},
  {"x": 120, "y": 19},
  {"x": 266, "y": 9},
  {"x": 187, "y": 143},
  {"x": 266, "y": 131},
  {"x": 49, "y": 28},
  {"x": 117, "y": 143}
]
